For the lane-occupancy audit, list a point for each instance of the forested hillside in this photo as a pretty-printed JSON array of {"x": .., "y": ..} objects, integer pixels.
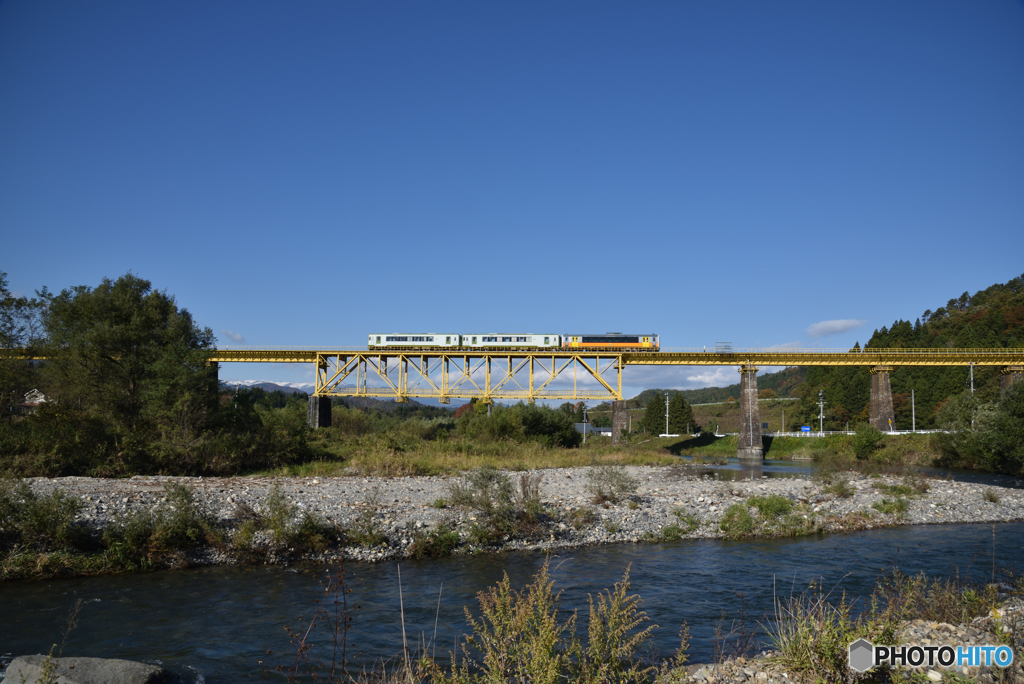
[{"x": 991, "y": 318}]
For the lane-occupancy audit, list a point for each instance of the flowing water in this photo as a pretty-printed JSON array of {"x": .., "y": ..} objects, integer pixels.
[{"x": 216, "y": 624}]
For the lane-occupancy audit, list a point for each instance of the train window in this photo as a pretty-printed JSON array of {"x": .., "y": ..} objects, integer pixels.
[
  {"x": 547, "y": 341},
  {"x": 378, "y": 339},
  {"x": 448, "y": 339},
  {"x": 522, "y": 339},
  {"x": 474, "y": 340},
  {"x": 506, "y": 339},
  {"x": 397, "y": 338},
  {"x": 488, "y": 339}
]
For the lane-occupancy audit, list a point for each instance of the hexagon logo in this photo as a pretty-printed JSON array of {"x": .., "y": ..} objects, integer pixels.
[{"x": 862, "y": 655}]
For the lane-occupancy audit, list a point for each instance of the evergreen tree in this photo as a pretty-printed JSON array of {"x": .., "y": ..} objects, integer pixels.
[
  {"x": 680, "y": 415},
  {"x": 654, "y": 415}
]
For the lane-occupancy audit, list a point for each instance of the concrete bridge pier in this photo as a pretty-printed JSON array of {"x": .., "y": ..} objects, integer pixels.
[
  {"x": 618, "y": 421},
  {"x": 882, "y": 414},
  {"x": 751, "y": 448},
  {"x": 1010, "y": 375},
  {"x": 319, "y": 414}
]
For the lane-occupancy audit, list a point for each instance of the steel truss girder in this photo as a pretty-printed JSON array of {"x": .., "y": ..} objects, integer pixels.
[{"x": 486, "y": 377}]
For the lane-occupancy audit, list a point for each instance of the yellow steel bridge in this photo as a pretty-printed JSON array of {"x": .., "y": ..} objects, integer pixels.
[{"x": 529, "y": 375}]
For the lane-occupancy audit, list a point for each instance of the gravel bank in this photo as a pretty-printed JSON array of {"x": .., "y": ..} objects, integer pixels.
[
  {"x": 982, "y": 631},
  {"x": 405, "y": 505}
]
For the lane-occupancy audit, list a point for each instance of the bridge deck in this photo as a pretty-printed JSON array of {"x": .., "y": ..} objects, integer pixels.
[{"x": 665, "y": 357}]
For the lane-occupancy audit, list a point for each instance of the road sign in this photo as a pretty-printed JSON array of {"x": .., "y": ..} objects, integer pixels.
[{"x": 805, "y": 428}]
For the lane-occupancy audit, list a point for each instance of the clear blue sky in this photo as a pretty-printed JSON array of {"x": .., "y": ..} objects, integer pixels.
[{"x": 306, "y": 173}]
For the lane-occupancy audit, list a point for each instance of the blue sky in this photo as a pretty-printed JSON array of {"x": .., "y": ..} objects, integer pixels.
[{"x": 306, "y": 173}]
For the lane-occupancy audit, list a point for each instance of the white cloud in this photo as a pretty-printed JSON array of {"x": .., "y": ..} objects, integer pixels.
[
  {"x": 826, "y": 328},
  {"x": 233, "y": 336},
  {"x": 714, "y": 376}
]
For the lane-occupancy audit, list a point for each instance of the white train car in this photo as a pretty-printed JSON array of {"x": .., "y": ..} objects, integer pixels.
[
  {"x": 511, "y": 341},
  {"x": 413, "y": 340}
]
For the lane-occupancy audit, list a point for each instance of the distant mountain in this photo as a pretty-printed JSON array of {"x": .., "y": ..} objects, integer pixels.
[{"x": 268, "y": 386}]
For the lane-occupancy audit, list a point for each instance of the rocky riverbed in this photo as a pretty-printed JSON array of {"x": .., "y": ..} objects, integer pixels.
[{"x": 668, "y": 500}]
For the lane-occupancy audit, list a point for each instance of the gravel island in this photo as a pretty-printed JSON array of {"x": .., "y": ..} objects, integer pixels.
[{"x": 405, "y": 506}]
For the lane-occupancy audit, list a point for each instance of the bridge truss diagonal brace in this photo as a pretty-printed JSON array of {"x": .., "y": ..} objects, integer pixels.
[{"x": 485, "y": 377}]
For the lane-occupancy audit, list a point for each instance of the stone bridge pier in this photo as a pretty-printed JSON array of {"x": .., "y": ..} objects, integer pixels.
[
  {"x": 1010, "y": 375},
  {"x": 882, "y": 414},
  {"x": 618, "y": 421},
  {"x": 751, "y": 448},
  {"x": 319, "y": 414}
]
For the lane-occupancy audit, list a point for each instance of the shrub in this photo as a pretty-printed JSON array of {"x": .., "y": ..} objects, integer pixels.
[
  {"x": 487, "y": 490},
  {"x": 179, "y": 523},
  {"x": 771, "y": 506},
  {"x": 952, "y": 599},
  {"x": 736, "y": 522},
  {"x": 812, "y": 636},
  {"x": 610, "y": 483},
  {"x": 367, "y": 530},
  {"x": 579, "y": 518},
  {"x": 505, "y": 509},
  {"x": 687, "y": 521},
  {"x": 841, "y": 489},
  {"x": 435, "y": 543},
  {"x": 520, "y": 637},
  {"x": 866, "y": 441},
  {"x": 990, "y": 496},
  {"x": 897, "y": 506},
  {"x": 43, "y": 522},
  {"x": 909, "y": 487}
]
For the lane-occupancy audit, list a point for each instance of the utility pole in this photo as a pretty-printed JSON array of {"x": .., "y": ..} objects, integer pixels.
[
  {"x": 972, "y": 378},
  {"x": 913, "y": 413},
  {"x": 584, "y": 425},
  {"x": 666, "y": 413},
  {"x": 783, "y": 421},
  {"x": 821, "y": 411}
]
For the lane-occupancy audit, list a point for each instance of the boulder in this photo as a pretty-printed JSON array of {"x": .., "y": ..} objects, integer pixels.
[{"x": 29, "y": 669}]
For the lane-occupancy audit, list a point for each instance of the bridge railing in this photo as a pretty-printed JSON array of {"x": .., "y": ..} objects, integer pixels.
[{"x": 672, "y": 350}]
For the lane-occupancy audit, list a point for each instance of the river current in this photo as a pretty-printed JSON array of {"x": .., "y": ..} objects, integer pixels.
[{"x": 216, "y": 624}]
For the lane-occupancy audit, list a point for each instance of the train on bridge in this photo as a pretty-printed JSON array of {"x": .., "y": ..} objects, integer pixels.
[{"x": 513, "y": 341}]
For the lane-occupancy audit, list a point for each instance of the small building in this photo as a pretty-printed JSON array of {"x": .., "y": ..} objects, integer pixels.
[
  {"x": 33, "y": 399},
  {"x": 591, "y": 429}
]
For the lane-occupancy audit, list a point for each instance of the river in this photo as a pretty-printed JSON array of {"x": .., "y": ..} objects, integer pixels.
[{"x": 215, "y": 624}]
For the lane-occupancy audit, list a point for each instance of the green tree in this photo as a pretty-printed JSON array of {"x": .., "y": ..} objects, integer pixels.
[
  {"x": 654, "y": 414},
  {"x": 127, "y": 353},
  {"x": 680, "y": 415},
  {"x": 1008, "y": 432}
]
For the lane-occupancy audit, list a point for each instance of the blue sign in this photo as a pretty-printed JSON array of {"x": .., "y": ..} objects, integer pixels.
[{"x": 805, "y": 428}]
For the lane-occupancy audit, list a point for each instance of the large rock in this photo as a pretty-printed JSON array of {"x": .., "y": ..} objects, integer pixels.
[{"x": 29, "y": 669}]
